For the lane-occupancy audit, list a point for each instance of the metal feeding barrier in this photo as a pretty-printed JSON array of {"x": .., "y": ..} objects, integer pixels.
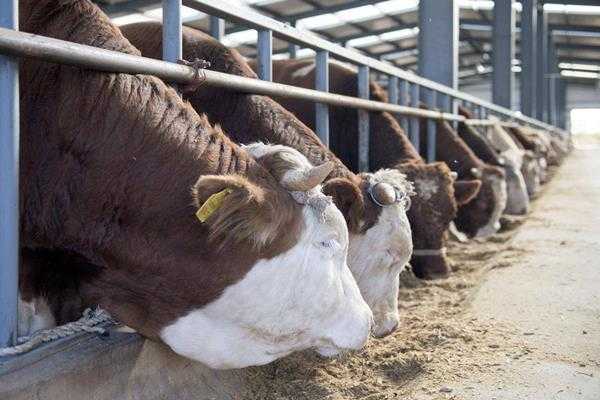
[{"x": 405, "y": 90}]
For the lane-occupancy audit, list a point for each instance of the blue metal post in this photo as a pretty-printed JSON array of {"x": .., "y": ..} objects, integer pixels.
[
  {"x": 265, "y": 54},
  {"x": 322, "y": 84},
  {"x": 393, "y": 90},
  {"x": 217, "y": 27},
  {"x": 404, "y": 100},
  {"x": 171, "y": 30},
  {"x": 430, "y": 100},
  {"x": 528, "y": 57},
  {"x": 414, "y": 121},
  {"x": 293, "y": 47},
  {"x": 541, "y": 63},
  {"x": 438, "y": 40},
  {"x": 9, "y": 183},
  {"x": 503, "y": 53},
  {"x": 552, "y": 79},
  {"x": 363, "y": 120}
]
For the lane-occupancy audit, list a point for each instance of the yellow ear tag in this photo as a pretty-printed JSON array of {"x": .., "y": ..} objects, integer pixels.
[{"x": 212, "y": 204}]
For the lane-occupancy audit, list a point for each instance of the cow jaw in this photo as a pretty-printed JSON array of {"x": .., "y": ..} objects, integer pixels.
[
  {"x": 498, "y": 186},
  {"x": 376, "y": 258},
  {"x": 303, "y": 298}
]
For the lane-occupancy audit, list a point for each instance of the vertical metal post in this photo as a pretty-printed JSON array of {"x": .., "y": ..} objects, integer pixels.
[
  {"x": 265, "y": 54},
  {"x": 430, "y": 100},
  {"x": 292, "y": 47},
  {"x": 481, "y": 112},
  {"x": 217, "y": 27},
  {"x": 562, "y": 103},
  {"x": 9, "y": 183},
  {"x": 503, "y": 52},
  {"x": 393, "y": 90},
  {"x": 552, "y": 78},
  {"x": 414, "y": 121},
  {"x": 541, "y": 63},
  {"x": 528, "y": 57},
  {"x": 438, "y": 40},
  {"x": 363, "y": 120},
  {"x": 322, "y": 84},
  {"x": 404, "y": 100},
  {"x": 171, "y": 30}
]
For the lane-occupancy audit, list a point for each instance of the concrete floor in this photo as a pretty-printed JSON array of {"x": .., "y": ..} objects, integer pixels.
[{"x": 551, "y": 295}]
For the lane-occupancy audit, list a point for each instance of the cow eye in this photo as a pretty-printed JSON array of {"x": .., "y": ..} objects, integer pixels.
[{"x": 330, "y": 244}]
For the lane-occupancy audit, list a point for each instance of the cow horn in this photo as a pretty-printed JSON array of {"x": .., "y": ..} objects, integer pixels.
[
  {"x": 305, "y": 180},
  {"x": 453, "y": 175},
  {"x": 384, "y": 194},
  {"x": 476, "y": 172}
]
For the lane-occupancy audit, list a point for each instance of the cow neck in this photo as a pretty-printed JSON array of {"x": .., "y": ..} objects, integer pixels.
[
  {"x": 451, "y": 149},
  {"x": 478, "y": 144}
]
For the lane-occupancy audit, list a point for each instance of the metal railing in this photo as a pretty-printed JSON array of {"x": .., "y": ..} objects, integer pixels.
[{"x": 405, "y": 90}]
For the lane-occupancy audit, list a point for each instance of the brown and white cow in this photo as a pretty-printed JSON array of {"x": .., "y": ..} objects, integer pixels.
[
  {"x": 437, "y": 194},
  {"x": 517, "y": 202},
  {"x": 191, "y": 241},
  {"x": 481, "y": 216},
  {"x": 380, "y": 237},
  {"x": 515, "y": 155}
]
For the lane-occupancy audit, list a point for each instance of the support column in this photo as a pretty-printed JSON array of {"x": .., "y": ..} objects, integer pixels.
[
  {"x": 528, "y": 57},
  {"x": 217, "y": 28},
  {"x": 541, "y": 64},
  {"x": 552, "y": 81},
  {"x": 503, "y": 53},
  {"x": 9, "y": 183},
  {"x": 438, "y": 40},
  {"x": 171, "y": 30}
]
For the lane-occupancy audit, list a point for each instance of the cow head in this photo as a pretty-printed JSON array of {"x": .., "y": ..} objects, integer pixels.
[
  {"x": 531, "y": 172},
  {"x": 433, "y": 208},
  {"x": 481, "y": 216},
  {"x": 380, "y": 244},
  {"x": 380, "y": 238},
  {"x": 517, "y": 202},
  {"x": 302, "y": 297}
]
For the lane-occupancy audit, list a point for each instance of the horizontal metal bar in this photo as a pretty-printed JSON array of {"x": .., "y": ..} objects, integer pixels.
[
  {"x": 480, "y": 122},
  {"x": 307, "y": 39},
  {"x": 54, "y": 50}
]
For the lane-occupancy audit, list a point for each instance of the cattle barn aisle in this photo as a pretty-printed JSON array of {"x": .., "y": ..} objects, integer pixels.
[{"x": 548, "y": 300}]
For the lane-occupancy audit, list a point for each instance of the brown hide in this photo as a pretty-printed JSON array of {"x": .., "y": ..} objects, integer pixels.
[
  {"x": 107, "y": 169},
  {"x": 389, "y": 147},
  {"x": 477, "y": 142},
  {"x": 451, "y": 149},
  {"x": 250, "y": 118}
]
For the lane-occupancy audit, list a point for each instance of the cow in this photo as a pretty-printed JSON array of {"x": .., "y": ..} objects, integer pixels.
[
  {"x": 181, "y": 234},
  {"x": 533, "y": 145},
  {"x": 373, "y": 204},
  {"x": 515, "y": 155},
  {"x": 517, "y": 202},
  {"x": 481, "y": 216},
  {"x": 438, "y": 195}
]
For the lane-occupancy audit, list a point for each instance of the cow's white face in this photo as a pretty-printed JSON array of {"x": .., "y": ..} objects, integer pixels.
[
  {"x": 304, "y": 298},
  {"x": 517, "y": 199},
  {"x": 377, "y": 256},
  {"x": 499, "y": 189},
  {"x": 531, "y": 174}
]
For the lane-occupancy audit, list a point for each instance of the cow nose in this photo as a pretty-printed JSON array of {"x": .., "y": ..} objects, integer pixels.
[{"x": 381, "y": 333}]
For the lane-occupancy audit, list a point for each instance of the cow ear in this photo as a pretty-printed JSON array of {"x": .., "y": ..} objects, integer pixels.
[
  {"x": 349, "y": 200},
  {"x": 234, "y": 210},
  {"x": 465, "y": 191}
]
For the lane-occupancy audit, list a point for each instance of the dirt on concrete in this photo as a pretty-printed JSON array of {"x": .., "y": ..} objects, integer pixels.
[{"x": 452, "y": 344}]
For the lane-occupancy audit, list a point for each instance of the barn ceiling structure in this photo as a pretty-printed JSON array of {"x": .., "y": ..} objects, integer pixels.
[{"x": 389, "y": 31}]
